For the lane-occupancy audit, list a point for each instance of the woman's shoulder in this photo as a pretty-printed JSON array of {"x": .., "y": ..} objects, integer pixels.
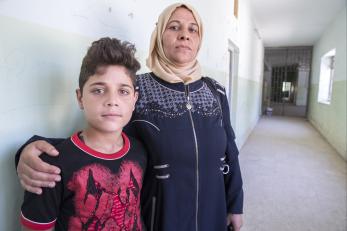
[
  {"x": 142, "y": 76},
  {"x": 211, "y": 82},
  {"x": 144, "y": 79}
]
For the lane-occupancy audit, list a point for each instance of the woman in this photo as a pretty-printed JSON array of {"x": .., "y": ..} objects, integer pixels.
[{"x": 193, "y": 180}]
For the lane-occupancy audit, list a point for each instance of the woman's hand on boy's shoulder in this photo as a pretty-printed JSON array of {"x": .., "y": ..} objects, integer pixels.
[{"x": 32, "y": 171}]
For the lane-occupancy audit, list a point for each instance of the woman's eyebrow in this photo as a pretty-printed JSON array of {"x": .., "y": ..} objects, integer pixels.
[
  {"x": 177, "y": 21},
  {"x": 174, "y": 21}
]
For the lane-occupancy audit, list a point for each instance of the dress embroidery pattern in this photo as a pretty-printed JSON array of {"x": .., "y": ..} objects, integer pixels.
[{"x": 166, "y": 102}]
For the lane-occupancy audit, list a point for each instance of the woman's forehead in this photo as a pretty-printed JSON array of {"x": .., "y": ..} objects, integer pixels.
[{"x": 182, "y": 13}]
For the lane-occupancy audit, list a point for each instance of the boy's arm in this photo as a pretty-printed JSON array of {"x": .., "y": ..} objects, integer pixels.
[
  {"x": 32, "y": 171},
  {"x": 40, "y": 212}
]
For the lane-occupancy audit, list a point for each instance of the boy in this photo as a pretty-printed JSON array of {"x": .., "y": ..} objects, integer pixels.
[{"x": 101, "y": 168}]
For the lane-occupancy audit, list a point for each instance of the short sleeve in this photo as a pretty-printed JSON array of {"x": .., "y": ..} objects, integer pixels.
[{"x": 40, "y": 212}]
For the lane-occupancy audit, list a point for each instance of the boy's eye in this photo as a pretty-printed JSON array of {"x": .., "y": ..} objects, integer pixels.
[
  {"x": 98, "y": 91},
  {"x": 124, "y": 92}
]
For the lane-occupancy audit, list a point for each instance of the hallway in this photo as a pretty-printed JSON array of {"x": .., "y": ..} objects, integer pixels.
[{"x": 293, "y": 179}]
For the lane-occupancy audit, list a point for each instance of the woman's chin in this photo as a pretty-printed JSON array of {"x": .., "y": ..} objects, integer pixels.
[{"x": 183, "y": 62}]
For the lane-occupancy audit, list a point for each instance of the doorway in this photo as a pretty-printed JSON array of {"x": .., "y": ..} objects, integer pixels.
[
  {"x": 284, "y": 87},
  {"x": 286, "y": 80},
  {"x": 231, "y": 86}
]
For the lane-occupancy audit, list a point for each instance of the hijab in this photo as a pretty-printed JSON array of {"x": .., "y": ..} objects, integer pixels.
[{"x": 157, "y": 61}]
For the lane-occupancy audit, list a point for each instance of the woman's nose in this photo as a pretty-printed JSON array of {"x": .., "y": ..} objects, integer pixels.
[{"x": 184, "y": 35}]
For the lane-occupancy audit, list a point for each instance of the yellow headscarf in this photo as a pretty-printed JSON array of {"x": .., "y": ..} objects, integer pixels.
[{"x": 157, "y": 60}]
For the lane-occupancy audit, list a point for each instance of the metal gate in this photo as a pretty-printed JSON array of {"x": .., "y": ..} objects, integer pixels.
[
  {"x": 283, "y": 90},
  {"x": 287, "y": 80}
]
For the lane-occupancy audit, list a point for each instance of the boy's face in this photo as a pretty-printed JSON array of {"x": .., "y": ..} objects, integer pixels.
[{"x": 108, "y": 99}]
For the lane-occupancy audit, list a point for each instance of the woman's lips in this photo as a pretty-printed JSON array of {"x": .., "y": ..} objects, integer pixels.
[{"x": 183, "y": 47}]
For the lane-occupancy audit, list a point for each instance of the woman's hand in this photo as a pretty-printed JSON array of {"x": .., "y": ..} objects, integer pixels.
[
  {"x": 235, "y": 220},
  {"x": 33, "y": 173}
]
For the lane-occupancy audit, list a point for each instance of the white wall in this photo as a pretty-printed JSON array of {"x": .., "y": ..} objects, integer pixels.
[
  {"x": 250, "y": 76},
  {"x": 330, "y": 119},
  {"x": 41, "y": 47}
]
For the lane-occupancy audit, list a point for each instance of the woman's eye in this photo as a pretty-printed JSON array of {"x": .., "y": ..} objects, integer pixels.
[
  {"x": 175, "y": 28},
  {"x": 193, "y": 30}
]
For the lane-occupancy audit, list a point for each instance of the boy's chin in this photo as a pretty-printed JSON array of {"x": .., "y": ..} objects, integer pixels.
[
  {"x": 112, "y": 130},
  {"x": 107, "y": 130}
]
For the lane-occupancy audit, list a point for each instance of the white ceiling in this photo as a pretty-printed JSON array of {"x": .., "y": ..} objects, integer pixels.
[{"x": 293, "y": 22}]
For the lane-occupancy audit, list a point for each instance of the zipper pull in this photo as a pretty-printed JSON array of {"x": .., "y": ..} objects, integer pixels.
[{"x": 188, "y": 104}]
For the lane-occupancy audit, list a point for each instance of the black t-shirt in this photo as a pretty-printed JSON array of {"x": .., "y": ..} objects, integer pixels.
[{"x": 97, "y": 192}]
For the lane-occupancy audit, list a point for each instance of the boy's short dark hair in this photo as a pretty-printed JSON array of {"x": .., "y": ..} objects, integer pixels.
[{"x": 108, "y": 51}]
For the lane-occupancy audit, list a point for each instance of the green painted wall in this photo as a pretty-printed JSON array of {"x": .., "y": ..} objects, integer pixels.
[
  {"x": 248, "y": 107},
  {"x": 330, "y": 119},
  {"x": 39, "y": 69},
  {"x": 246, "y": 103}
]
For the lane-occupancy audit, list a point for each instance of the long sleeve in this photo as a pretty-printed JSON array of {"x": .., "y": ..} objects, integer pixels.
[
  {"x": 233, "y": 180},
  {"x": 53, "y": 141}
]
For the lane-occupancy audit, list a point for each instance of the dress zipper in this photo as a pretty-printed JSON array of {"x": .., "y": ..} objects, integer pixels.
[{"x": 189, "y": 107}]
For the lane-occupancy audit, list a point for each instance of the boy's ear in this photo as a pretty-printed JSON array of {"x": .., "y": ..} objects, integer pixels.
[{"x": 79, "y": 98}]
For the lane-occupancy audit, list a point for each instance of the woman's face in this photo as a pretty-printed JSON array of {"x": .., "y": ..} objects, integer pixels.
[{"x": 181, "y": 37}]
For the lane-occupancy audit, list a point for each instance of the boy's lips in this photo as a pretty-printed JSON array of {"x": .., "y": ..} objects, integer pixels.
[{"x": 111, "y": 115}]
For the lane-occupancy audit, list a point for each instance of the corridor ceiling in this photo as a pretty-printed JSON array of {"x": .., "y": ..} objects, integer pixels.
[{"x": 283, "y": 23}]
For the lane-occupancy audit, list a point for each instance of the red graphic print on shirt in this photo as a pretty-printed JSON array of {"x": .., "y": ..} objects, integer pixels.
[{"x": 106, "y": 201}]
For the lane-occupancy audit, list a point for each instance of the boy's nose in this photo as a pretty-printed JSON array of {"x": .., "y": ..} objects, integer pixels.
[
  {"x": 112, "y": 101},
  {"x": 112, "y": 104}
]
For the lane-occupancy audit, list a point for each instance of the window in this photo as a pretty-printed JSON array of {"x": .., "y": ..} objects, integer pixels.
[
  {"x": 327, "y": 67},
  {"x": 286, "y": 90},
  {"x": 286, "y": 86}
]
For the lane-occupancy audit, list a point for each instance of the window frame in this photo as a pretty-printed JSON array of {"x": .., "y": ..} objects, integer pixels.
[
  {"x": 236, "y": 8},
  {"x": 326, "y": 77}
]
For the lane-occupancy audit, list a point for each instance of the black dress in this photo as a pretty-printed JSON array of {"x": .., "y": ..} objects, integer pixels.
[{"x": 189, "y": 148}]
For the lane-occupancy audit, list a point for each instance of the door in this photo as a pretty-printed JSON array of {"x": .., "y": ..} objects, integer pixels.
[{"x": 231, "y": 87}]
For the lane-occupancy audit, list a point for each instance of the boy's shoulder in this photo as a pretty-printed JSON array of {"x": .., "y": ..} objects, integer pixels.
[
  {"x": 62, "y": 147},
  {"x": 65, "y": 144},
  {"x": 134, "y": 142},
  {"x": 136, "y": 146}
]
